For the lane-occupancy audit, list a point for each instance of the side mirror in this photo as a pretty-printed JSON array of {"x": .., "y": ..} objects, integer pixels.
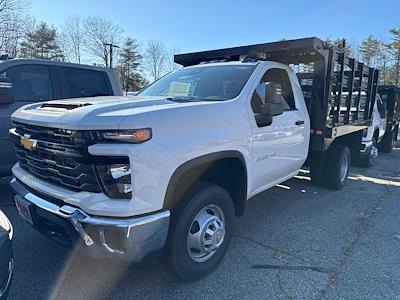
[
  {"x": 273, "y": 105},
  {"x": 6, "y": 91},
  {"x": 272, "y": 109},
  {"x": 268, "y": 110}
]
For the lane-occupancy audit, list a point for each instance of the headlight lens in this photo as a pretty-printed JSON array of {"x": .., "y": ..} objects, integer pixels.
[
  {"x": 134, "y": 136},
  {"x": 116, "y": 180}
]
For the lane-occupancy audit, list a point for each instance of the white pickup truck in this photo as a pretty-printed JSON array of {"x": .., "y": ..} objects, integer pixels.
[{"x": 172, "y": 167}]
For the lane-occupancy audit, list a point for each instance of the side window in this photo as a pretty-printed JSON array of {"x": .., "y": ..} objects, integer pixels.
[
  {"x": 85, "y": 83},
  {"x": 274, "y": 76},
  {"x": 31, "y": 83}
]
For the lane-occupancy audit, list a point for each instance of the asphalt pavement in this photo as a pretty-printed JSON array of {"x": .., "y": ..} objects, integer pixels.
[{"x": 296, "y": 241}]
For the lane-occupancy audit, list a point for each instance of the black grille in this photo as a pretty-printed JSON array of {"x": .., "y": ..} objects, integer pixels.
[{"x": 60, "y": 156}]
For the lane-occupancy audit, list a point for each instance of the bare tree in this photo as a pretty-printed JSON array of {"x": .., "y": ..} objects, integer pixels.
[
  {"x": 13, "y": 24},
  {"x": 154, "y": 59},
  {"x": 171, "y": 65},
  {"x": 99, "y": 32},
  {"x": 383, "y": 63},
  {"x": 72, "y": 38}
]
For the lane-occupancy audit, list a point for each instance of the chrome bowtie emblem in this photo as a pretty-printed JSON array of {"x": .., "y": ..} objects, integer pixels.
[{"x": 27, "y": 142}]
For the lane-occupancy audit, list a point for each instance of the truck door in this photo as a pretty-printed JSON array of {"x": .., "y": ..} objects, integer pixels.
[
  {"x": 279, "y": 149},
  {"x": 30, "y": 83}
]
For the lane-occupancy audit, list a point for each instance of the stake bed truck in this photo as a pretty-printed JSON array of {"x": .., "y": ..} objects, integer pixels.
[{"x": 172, "y": 167}]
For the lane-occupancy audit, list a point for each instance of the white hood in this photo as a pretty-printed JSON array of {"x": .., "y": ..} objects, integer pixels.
[{"x": 91, "y": 113}]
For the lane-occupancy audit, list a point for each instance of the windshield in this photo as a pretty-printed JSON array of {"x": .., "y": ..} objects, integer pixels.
[{"x": 210, "y": 83}]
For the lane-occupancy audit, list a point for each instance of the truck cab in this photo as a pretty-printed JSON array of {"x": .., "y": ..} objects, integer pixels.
[{"x": 25, "y": 81}]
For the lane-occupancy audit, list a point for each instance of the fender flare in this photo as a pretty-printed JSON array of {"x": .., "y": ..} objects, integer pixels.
[{"x": 169, "y": 200}]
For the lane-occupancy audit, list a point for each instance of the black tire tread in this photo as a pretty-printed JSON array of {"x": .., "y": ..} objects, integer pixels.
[
  {"x": 331, "y": 176},
  {"x": 179, "y": 260}
]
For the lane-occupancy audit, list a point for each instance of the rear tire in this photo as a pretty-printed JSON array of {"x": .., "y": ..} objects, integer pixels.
[
  {"x": 338, "y": 162},
  {"x": 201, "y": 232},
  {"x": 388, "y": 141}
]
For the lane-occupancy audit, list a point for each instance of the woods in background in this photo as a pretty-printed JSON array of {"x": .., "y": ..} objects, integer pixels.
[{"x": 86, "y": 40}]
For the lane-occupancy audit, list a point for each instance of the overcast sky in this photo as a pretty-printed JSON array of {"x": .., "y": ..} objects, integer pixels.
[{"x": 206, "y": 24}]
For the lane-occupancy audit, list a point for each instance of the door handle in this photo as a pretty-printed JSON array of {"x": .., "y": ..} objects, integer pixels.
[{"x": 299, "y": 122}]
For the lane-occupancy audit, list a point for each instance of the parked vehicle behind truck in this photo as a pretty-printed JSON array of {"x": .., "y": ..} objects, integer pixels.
[
  {"x": 24, "y": 81},
  {"x": 172, "y": 167},
  {"x": 390, "y": 95},
  {"x": 374, "y": 134}
]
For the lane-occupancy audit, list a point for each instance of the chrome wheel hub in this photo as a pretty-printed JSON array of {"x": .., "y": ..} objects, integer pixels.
[
  {"x": 206, "y": 233},
  {"x": 344, "y": 166}
]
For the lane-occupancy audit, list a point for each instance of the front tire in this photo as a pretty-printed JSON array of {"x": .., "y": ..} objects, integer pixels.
[
  {"x": 369, "y": 161},
  {"x": 201, "y": 232},
  {"x": 338, "y": 162}
]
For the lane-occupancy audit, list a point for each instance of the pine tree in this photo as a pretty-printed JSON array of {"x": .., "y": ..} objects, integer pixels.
[
  {"x": 42, "y": 43},
  {"x": 128, "y": 66},
  {"x": 343, "y": 44},
  {"x": 395, "y": 47},
  {"x": 370, "y": 49}
]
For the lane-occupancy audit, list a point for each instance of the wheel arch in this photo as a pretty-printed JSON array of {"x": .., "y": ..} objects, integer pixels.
[{"x": 209, "y": 168}]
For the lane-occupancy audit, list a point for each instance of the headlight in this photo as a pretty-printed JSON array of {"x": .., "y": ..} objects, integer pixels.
[
  {"x": 115, "y": 180},
  {"x": 134, "y": 136},
  {"x": 6, "y": 225}
]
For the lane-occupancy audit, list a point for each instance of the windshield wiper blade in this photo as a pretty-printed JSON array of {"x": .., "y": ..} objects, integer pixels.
[
  {"x": 183, "y": 98},
  {"x": 192, "y": 99}
]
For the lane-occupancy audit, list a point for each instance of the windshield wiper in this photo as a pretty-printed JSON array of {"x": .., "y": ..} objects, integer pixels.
[
  {"x": 190, "y": 99},
  {"x": 184, "y": 99}
]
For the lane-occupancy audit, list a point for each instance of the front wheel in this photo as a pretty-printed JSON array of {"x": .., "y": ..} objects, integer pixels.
[
  {"x": 201, "y": 232},
  {"x": 338, "y": 162},
  {"x": 369, "y": 161}
]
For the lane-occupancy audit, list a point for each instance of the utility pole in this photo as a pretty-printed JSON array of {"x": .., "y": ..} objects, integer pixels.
[
  {"x": 111, "y": 45},
  {"x": 127, "y": 81}
]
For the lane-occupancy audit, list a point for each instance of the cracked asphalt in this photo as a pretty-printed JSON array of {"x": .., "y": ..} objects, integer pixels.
[{"x": 296, "y": 241}]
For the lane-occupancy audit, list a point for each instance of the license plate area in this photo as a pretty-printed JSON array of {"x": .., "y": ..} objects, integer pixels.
[{"x": 24, "y": 209}]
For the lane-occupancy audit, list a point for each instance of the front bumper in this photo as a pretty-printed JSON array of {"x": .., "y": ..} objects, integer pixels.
[
  {"x": 368, "y": 150},
  {"x": 128, "y": 239}
]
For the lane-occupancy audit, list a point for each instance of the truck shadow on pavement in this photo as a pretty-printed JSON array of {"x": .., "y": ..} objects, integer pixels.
[{"x": 292, "y": 242}]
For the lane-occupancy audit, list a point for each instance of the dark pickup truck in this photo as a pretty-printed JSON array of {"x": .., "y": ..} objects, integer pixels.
[{"x": 25, "y": 81}]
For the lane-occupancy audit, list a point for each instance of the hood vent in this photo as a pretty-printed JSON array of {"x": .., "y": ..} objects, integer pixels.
[{"x": 65, "y": 106}]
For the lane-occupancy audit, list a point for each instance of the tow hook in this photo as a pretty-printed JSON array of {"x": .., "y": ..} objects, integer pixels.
[{"x": 75, "y": 217}]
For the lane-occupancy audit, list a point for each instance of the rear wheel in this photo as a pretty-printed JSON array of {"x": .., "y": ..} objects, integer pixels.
[
  {"x": 201, "y": 232},
  {"x": 338, "y": 162},
  {"x": 388, "y": 142}
]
